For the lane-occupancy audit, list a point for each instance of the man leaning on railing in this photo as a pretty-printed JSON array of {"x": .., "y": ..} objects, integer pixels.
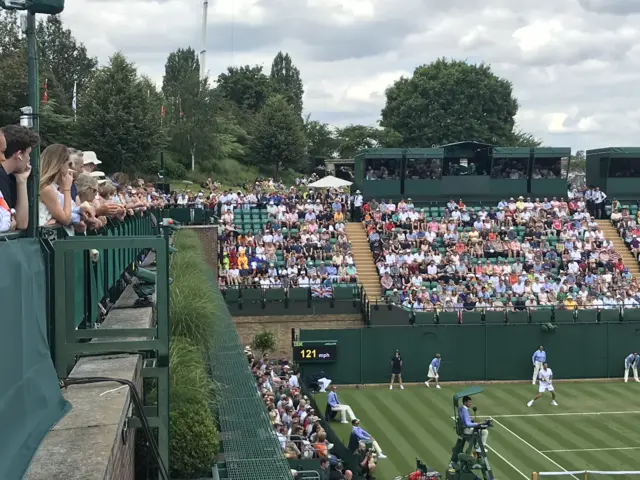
[{"x": 16, "y": 143}]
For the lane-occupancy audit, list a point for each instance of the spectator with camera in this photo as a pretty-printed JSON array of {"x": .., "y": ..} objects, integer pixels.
[{"x": 366, "y": 460}]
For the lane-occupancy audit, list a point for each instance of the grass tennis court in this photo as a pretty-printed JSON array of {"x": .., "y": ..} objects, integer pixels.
[{"x": 595, "y": 427}]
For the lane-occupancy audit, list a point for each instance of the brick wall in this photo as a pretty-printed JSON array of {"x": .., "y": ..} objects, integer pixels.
[
  {"x": 208, "y": 235},
  {"x": 247, "y": 327}
]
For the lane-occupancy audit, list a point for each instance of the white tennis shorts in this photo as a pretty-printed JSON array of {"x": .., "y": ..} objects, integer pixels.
[
  {"x": 432, "y": 373},
  {"x": 545, "y": 387}
]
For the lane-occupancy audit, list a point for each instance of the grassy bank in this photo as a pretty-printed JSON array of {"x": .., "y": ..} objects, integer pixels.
[{"x": 194, "y": 437}]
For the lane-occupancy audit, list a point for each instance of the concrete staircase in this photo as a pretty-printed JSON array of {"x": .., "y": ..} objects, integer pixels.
[
  {"x": 610, "y": 233},
  {"x": 367, "y": 272}
]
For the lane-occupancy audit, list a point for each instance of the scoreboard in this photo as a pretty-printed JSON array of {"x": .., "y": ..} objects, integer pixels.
[{"x": 317, "y": 351}]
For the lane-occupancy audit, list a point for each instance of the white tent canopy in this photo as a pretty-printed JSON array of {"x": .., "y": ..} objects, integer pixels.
[{"x": 330, "y": 182}]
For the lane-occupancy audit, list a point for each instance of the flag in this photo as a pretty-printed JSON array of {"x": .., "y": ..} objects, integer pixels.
[
  {"x": 162, "y": 112},
  {"x": 321, "y": 291},
  {"x": 74, "y": 100},
  {"x": 180, "y": 105},
  {"x": 45, "y": 98}
]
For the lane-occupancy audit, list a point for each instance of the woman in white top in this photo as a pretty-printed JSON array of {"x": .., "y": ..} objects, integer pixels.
[{"x": 56, "y": 178}]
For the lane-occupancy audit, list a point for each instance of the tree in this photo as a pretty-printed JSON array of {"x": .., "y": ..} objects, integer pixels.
[
  {"x": 321, "y": 139},
  {"x": 67, "y": 60},
  {"x": 119, "y": 120},
  {"x": 55, "y": 127},
  {"x": 523, "y": 139},
  {"x": 13, "y": 68},
  {"x": 285, "y": 79},
  {"x": 264, "y": 341},
  {"x": 451, "y": 101},
  {"x": 278, "y": 138},
  {"x": 247, "y": 87},
  {"x": 190, "y": 109}
]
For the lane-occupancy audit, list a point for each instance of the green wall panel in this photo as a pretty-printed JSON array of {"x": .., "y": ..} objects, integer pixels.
[{"x": 477, "y": 352}]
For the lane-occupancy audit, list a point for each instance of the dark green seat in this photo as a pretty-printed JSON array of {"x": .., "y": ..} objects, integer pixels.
[
  {"x": 274, "y": 294},
  {"x": 631, "y": 315},
  {"x": 495, "y": 317},
  {"x": 564, "y": 316},
  {"x": 425, "y": 318},
  {"x": 589, "y": 315},
  {"x": 610, "y": 315},
  {"x": 231, "y": 295},
  {"x": 299, "y": 294},
  {"x": 252, "y": 295},
  {"x": 541, "y": 315},
  {"x": 518, "y": 317},
  {"x": 473, "y": 318},
  {"x": 448, "y": 318},
  {"x": 344, "y": 293}
]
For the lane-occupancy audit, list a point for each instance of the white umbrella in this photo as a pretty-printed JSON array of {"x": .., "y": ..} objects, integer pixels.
[{"x": 330, "y": 182}]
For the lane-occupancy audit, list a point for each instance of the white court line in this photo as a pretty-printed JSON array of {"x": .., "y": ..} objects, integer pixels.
[
  {"x": 491, "y": 449},
  {"x": 591, "y": 449},
  {"x": 533, "y": 448},
  {"x": 566, "y": 414}
]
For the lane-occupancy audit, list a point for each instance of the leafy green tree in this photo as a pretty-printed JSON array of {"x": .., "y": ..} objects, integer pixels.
[
  {"x": 523, "y": 139},
  {"x": 13, "y": 68},
  {"x": 278, "y": 137},
  {"x": 190, "y": 109},
  {"x": 450, "y": 101},
  {"x": 285, "y": 79},
  {"x": 321, "y": 139},
  {"x": 354, "y": 138},
  {"x": 55, "y": 127},
  {"x": 117, "y": 119},
  {"x": 66, "y": 59},
  {"x": 247, "y": 87}
]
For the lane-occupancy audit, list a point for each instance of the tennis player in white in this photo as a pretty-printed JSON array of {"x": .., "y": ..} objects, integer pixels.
[{"x": 546, "y": 385}]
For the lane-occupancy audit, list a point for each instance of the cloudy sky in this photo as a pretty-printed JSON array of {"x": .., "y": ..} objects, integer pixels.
[{"x": 575, "y": 64}]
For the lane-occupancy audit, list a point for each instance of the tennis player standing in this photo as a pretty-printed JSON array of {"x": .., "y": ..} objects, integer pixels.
[
  {"x": 546, "y": 385},
  {"x": 538, "y": 358},
  {"x": 434, "y": 371}
]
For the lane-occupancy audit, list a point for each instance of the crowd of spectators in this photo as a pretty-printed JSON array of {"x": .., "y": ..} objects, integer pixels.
[
  {"x": 521, "y": 254},
  {"x": 283, "y": 239},
  {"x": 73, "y": 194},
  {"x": 295, "y": 421}
]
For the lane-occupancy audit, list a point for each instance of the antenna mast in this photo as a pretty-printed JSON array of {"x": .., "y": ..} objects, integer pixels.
[{"x": 203, "y": 51}]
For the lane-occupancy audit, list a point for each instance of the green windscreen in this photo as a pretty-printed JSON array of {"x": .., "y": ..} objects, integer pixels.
[{"x": 30, "y": 399}]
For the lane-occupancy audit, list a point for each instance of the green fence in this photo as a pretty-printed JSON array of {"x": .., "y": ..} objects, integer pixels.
[
  {"x": 56, "y": 294},
  {"x": 384, "y": 315},
  {"x": 250, "y": 447},
  {"x": 477, "y": 352}
]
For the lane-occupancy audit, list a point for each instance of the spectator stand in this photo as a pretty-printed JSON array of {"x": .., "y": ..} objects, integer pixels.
[
  {"x": 518, "y": 262},
  {"x": 616, "y": 170},
  {"x": 289, "y": 255},
  {"x": 481, "y": 171}
]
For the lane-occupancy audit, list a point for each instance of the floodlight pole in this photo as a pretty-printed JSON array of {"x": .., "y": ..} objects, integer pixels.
[{"x": 33, "y": 186}]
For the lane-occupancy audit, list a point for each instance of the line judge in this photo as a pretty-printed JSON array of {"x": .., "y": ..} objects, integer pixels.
[{"x": 538, "y": 358}]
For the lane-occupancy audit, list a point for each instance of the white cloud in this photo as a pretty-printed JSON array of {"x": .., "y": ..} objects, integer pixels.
[{"x": 574, "y": 64}]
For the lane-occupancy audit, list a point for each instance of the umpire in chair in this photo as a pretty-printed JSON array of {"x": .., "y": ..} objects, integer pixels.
[{"x": 468, "y": 425}]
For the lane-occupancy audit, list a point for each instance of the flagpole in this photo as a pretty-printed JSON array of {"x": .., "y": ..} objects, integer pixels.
[{"x": 74, "y": 101}]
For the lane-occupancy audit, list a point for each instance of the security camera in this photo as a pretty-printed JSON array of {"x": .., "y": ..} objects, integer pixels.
[{"x": 14, "y": 4}]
